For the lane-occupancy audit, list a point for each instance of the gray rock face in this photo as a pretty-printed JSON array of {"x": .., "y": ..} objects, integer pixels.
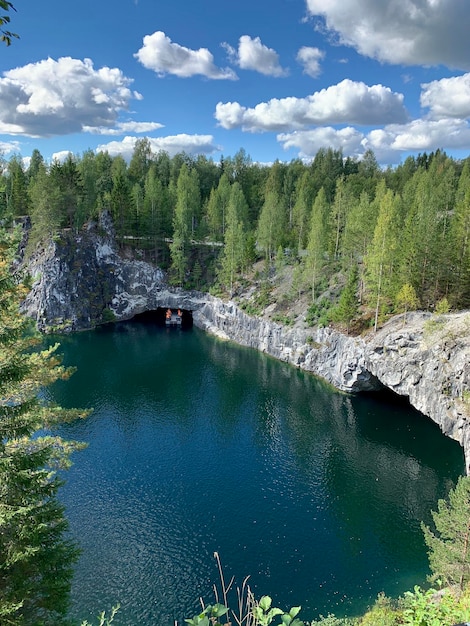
[{"x": 80, "y": 278}]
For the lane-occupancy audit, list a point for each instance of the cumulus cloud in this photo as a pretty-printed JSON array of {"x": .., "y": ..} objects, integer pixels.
[
  {"x": 124, "y": 127},
  {"x": 173, "y": 144},
  {"x": 310, "y": 59},
  {"x": 448, "y": 97},
  {"x": 161, "y": 55},
  {"x": 254, "y": 55},
  {"x": 388, "y": 143},
  {"x": 8, "y": 147},
  {"x": 308, "y": 142},
  {"x": 60, "y": 97},
  {"x": 348, "y": 102},
  {"x": 408, "y": 32}
]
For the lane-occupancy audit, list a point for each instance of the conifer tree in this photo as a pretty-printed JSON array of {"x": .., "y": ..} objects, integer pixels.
[
  {"x": 347, "y": 306},
  {"x": 381, "y": 258},
  {"x": 271, "y": 225},
  {"x": 217, "y": 208},
  {"x": 317, "y": 246},
  {"x": 234, "y": 249},
  {"x": 187, "y": 202},
  {"x": 449, "y": 544},
  {"x": 36, "y": 557}
]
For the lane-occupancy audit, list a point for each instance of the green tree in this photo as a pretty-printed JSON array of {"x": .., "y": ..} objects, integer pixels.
[
  {"x": 6, "y": 35},
  {"x": 140, "y": 162},
  {"x": 217, "y": 208},
  {"x": 36, "y": 556},
  {"x": 271, "y": 225},
  {"x": 449, "y": 542},
  {"x": 17, "y": 190},
  {"x": 232, "y": 259},
  {"x": 120, "y": 201},
  {"x": 187, "y": 205},
  {"x": 317, "y": 247},
  {"x": 302, "y": 208},
  {"x": 381, "y": 259},
  {"x": 460, "y": 237},
  {"x": 46, "y": 212},
  {"x": 407, "y": 299},
  {"x": 347, "y": 306},
  {"x": 68, "y": 180}
]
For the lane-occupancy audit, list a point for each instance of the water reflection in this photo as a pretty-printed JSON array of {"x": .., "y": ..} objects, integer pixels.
[{"x": 198, "y": 446}]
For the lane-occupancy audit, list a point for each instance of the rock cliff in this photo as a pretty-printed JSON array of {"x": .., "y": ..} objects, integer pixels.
[{"x": 81, "y": 281}]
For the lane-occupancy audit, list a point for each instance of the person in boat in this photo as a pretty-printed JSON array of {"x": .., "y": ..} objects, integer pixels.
[{"x": 168, "y": 314}]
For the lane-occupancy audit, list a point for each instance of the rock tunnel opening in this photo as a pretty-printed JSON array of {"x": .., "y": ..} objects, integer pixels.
[
  {"x": 167, "y": 317},
  {"x": 388, "y": 396}
]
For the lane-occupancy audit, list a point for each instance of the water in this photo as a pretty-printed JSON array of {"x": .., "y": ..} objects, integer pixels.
[{"x": 197, "y": 445}]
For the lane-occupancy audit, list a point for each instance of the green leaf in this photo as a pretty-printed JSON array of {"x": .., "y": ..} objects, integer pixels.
[
  {"x": 218, "y": 610},
  {"x": 265, "y": 603}
]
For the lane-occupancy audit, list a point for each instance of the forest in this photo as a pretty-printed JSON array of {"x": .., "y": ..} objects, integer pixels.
[{"x": 362, "y": 242}]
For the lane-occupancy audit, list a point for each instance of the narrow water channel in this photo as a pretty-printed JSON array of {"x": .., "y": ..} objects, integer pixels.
[{"x": 197, "y": 446}]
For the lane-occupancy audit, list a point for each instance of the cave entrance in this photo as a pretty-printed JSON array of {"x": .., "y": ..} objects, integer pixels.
[{"x": 168, "y": 317}]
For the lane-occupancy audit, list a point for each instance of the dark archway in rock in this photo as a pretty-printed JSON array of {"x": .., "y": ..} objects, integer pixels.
[{"x": 158, "y": 317}]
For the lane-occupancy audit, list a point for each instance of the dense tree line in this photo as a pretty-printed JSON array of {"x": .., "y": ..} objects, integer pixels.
[{"x": 395, "y": 239}]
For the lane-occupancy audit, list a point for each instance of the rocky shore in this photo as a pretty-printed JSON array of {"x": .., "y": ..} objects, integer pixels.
[{"x": 80, "y": 281}]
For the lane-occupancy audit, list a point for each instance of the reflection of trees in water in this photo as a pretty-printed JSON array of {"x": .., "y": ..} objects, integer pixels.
[{"x": 390, "y": 467}]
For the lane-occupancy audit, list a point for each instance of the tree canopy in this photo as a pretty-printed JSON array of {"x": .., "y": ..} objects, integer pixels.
[{"x": 36, "y": 556}]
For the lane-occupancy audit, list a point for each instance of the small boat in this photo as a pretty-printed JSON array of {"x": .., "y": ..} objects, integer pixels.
[{"x": 173, "y": 318}]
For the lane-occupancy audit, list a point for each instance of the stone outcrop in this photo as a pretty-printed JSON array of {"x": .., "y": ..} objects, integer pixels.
[{"x": 81, "y": 281}]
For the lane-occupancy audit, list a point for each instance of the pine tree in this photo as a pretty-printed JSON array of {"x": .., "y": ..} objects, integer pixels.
[
  {"x": 36, "y": 557},
  {"x": 449, "y": 545},
  {"x": 347, "y": 306}
]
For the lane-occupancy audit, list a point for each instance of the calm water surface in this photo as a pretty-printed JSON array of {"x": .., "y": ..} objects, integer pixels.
[{"x": 197, "y": 445}]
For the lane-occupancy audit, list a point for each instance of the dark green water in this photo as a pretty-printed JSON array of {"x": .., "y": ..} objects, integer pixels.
[{"x": 197, "y": 446}]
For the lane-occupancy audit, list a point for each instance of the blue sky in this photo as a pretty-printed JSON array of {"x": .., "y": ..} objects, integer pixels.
[{"x": 279, "y": 78}]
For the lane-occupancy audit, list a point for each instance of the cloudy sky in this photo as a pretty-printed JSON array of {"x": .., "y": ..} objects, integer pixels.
[{"x": 279, "y": 78}]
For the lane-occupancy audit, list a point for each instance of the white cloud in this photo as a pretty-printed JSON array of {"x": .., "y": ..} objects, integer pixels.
[
  {"x": 310, "y": 59},
  {"x": 60, "y": 97},
  {"x": 173, "y": 144},
  {"x": 388, "y": 143},
  {"x": 60, "y": 156},
  {"x": 409, "y": 32},
  {"x": 448, "y": 97},
  {"x": 8, "y": 147},
  {"x": 254, "y": 55},
  {"x": 163, "y": 56},
  {"x": 308, "y": 142},
  {"x": 348, "y": 102},
  {"x": 124, "y": 127}
]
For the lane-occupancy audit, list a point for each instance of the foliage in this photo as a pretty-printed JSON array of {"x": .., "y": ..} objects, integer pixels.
[
  {"x": 442, "y": 307},
  {"x": 434, "y": 608},
  {"x": 103, "y": 619},
  {"x": 6, "y": 35},
  {"x": 318, "y": 313},
  {"x": 407, "y": 226},
  {"x": 449, "y": 543},
  {"x": 247, "y": 612},
  {"x": 407, "y": 299},
  {"x": 36, "y": 557}
]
